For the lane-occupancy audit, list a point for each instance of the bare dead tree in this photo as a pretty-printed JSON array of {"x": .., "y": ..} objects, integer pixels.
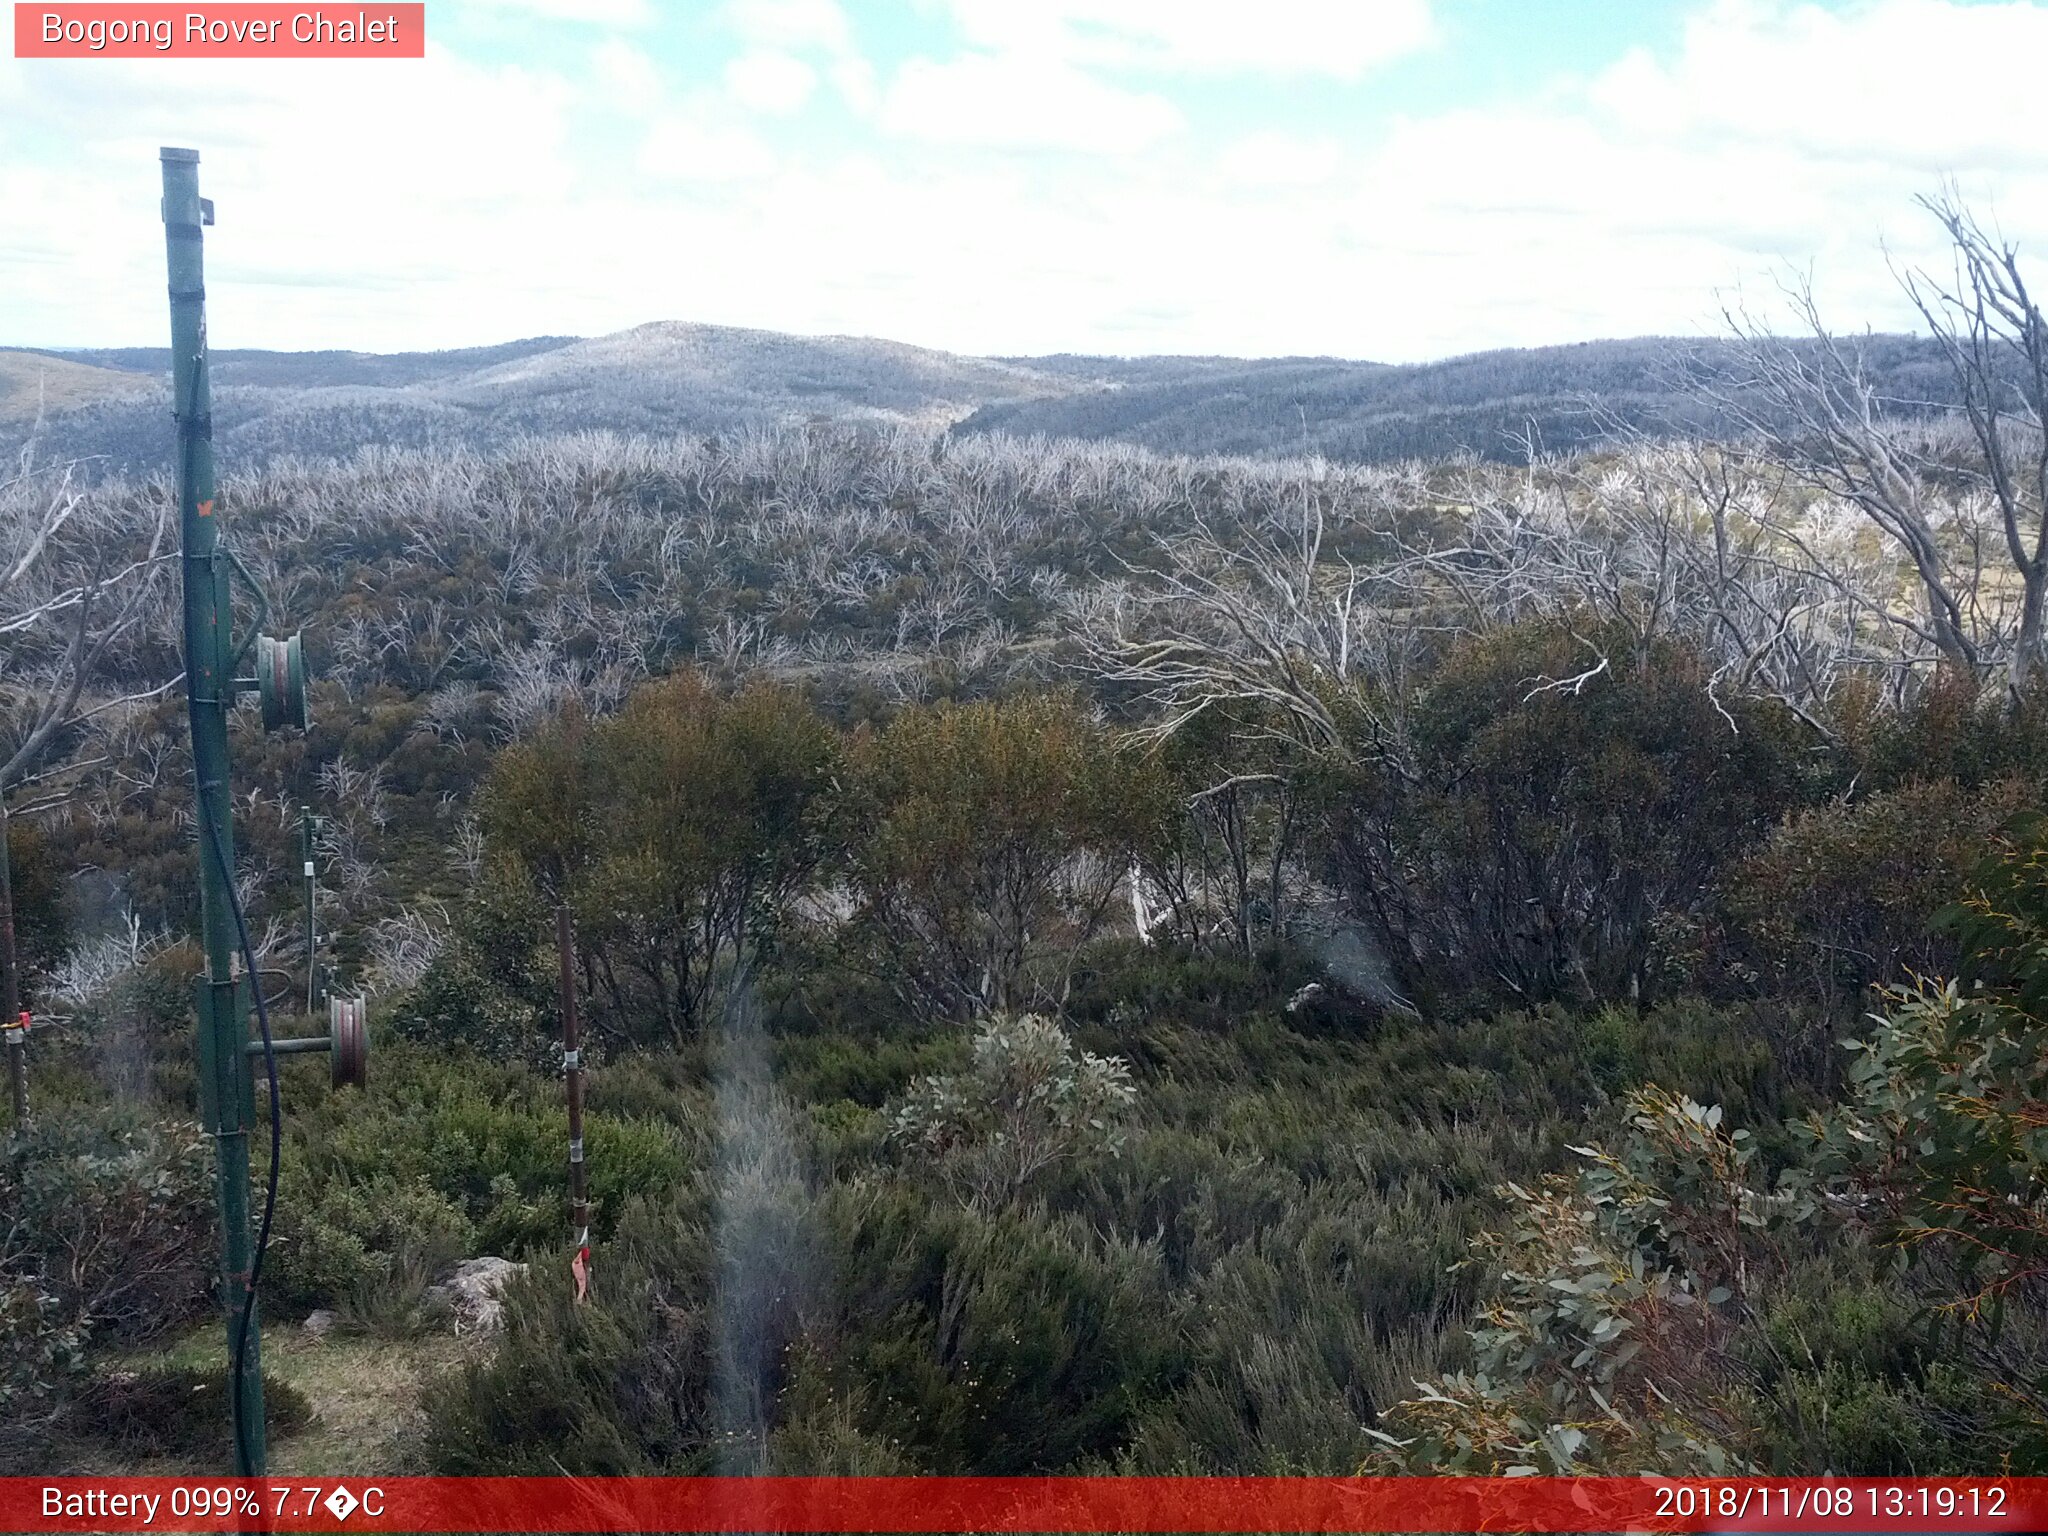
[
  {"x": 1814, "y": 406},
  {"x": 1706, "y": 543},
  {"x": 403, "y": 946},
  {"x": 76, "y": 574},
  {"x": 1819, "y": 413},
  {"x": 1992, "y": 332},
  {"x": 1296, "y": 648},
  {"x": 1261, "y": 620}
]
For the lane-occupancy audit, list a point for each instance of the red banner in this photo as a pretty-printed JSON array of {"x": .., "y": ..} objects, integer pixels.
[
  {"x": 226, "y": 31},
  {"x": 1021, "y": 1504}
]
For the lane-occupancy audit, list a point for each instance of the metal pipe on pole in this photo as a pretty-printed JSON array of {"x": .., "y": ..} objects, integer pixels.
[{"x": 308, "y": 825}]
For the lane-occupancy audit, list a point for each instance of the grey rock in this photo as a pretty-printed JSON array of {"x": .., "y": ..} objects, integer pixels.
[{"x": 471, "y": 1292}]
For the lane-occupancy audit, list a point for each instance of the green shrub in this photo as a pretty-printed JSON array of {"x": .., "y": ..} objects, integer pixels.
[
  {"x": 865, "y": 1069},
  {"x": 1006, "y": 1342},
  {"x": 130, "y": 1040},
  {"x": 680, "y": 831},
  {"x": 1120, "y": 983},
  {"x": 621, "y": 1385},
  {"x": 105, "y": 1224},
  {"x": 458, "y": 1004},
  {"x": 1844, "y": 895},
  {"x": 1938, "y": 1148},
  {"x": 42, "y": 1348},
  {"x": 339, "y": 1241},
  {"x": 177, "y": 1412},
  {"x": 997, "y": 1343},
  {"x": 1027, "y": 1102},
  {"x": 1859, "y": 1425},
  {"x": 1532, "y": 838},
  {"x": 493, "y": 988},
  {"x": 449, "y": 1154},
  {"x": 668, "y": 1086},
  {"x": 997, "y": 834},
  {"x": 1955, "y": 728},
  {"x": 1621, "y": 1290},
  {"x": 820, "y": 1429},
  {"x": 1851, "y": 1379},
  {"x": 1942, "y": 1122},
  {"x": 110, "y": 1213},
  {"x": 42, "y": 917},
  {"x": 1301, "y": 1326},
  {"x": 403, "y": 1300},
  {"x": 1735, "y": 1056}
]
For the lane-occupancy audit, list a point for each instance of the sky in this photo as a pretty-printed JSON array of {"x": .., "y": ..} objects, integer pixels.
[{"x": 1386, "y": 179}]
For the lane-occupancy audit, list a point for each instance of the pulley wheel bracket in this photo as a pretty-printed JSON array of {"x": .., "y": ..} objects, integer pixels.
[{"x": 281, "y": 683}]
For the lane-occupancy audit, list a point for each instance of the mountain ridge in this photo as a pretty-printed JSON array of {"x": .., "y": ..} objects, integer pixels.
[{"x": 672, "y": 376}]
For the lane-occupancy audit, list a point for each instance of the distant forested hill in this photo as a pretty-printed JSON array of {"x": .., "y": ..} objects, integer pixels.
[
  {"x": 655, "y": 380},
  {"x": 33, "y": 382},
  {"x": 1487, "y": 403},
  {"x": 317, "y": 370},
  {"x": 670, "y": 377}
]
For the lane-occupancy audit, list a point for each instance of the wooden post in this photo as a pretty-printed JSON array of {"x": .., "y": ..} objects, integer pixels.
[
  {"x": 572, "y": 1063},
  {"x": 12, "y": 1028}
]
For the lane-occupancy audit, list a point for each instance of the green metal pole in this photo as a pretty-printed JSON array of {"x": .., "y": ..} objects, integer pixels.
[{"x": 225, "y": 1081}]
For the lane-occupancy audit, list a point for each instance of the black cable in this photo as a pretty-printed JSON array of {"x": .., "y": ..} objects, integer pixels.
[
  {"x": 227, "y": 876},
  {"x": 190, "y": 429}
]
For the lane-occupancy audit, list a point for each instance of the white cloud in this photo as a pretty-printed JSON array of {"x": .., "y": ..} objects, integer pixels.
[
  {"x": 775, "y": 83},
  {"x": 684, "y": 149},
  {"x": 1339, "y": 38},
  {"x": 595, "y": 13},
  {"x": 1879, "y": 82},
  {"x": 1267, "y": 160},
  {"x": 1043, "y": 75},
  {"x": 854, "y": 79},
  {"x": 628, "y": 77},
  {"x": 473, "y": 204},
  {"x": 454, "y": 160},
  {"x": 779, "y": 29},
  {"x": 800, "y": 24},
  {"x": 1017, "y": 101}
]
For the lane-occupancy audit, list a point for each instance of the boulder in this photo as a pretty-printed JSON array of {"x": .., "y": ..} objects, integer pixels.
[
  {"x": 471, "y": 1292},
  {"x": 1306, "y": 995}
]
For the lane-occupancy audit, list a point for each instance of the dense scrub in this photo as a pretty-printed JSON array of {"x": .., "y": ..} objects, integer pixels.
[
  {"x": 1213, "y": 1215},
  {"x": 1067, "y": 990},
  {"x": 1253, "y": 1261}
]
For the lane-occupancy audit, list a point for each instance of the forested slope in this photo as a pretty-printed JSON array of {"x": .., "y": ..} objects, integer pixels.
[
  {"x": 1496, "y": 405},
  {"x": 671, "y": 377},
  {"x": 1077, "y": 944}
]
